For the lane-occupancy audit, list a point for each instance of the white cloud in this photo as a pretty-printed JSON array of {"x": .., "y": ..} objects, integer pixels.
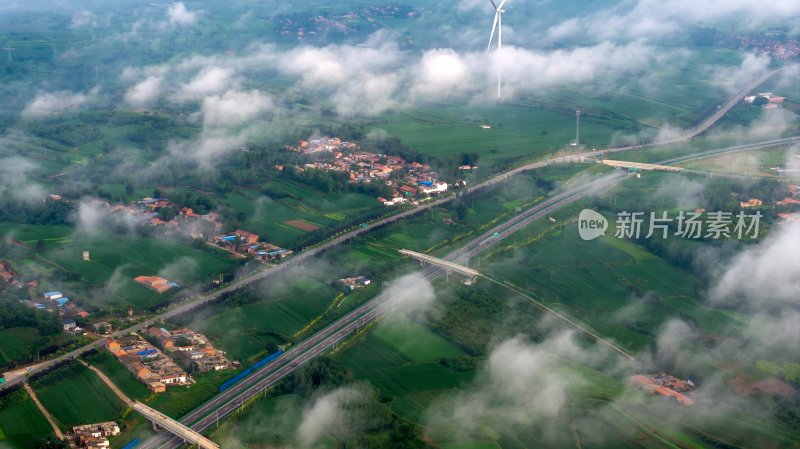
[
  {"x": 412, "y": 298},
  {"x": 654, "y": 19},
  {"x": 733, "y": 78},
  {"x": 93, "y": 216},
  {"x": 83, "y": 19},
  {"x": 47, "y": 103},
  {"x": 15, "y": 179},
  {"x": 328, "y": 414},
  {"x": 522, "y": 383},
  {"x": 210, "y": 147},
  {"x": 177, "y": 14},
  {"x": 179, "y": 269},
  {"x": 234, "y": 108},
  {"x": 766, "y": 275},
  {"x": 208, "y": 81},
  {"x": 440, "y": 72},
  {"x": 144, "y": 92}
]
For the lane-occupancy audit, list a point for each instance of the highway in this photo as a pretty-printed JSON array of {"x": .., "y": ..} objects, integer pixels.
[
  {"x": 203, "y": 299},
  {"x": 224, "y": 403},
  {"x": 228, "y": 401}
]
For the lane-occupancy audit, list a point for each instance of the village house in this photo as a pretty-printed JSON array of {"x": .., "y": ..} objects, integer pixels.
[
  {"x": 355, "y": 282},
  {"x": 156, "y": 283},
  {"x": 192, "y": 348},
  {"x": 752, "y": 202},
  {"x": 147, "y": 363},
  {"x": 7, "y": 275},
  {"x": 69, "y": 325},
  {"x": 93, "y": 435},
  {"x": 246, "y": 237}
]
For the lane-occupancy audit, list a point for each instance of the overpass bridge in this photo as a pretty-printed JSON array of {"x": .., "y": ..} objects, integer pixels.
[
  {"x": 446, "y": 264},
  {"x": 157, "y": 418},
  {"x": 181, "y": 431},
  {"x": 641, "y": 166}
]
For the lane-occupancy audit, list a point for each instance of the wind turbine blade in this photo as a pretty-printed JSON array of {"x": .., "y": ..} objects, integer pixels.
[
  {"x": 491, "y": 36},
  {"x": 501, "y": 4},
  {"x": 495, "y": 6}
]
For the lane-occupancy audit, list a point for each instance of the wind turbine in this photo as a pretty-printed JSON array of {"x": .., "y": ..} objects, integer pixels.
[
  {"x": 9, "y": 49},
  {"x": 497, "y": 24}
]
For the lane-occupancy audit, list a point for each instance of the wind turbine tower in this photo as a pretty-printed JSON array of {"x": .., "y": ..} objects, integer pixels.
[
  {"x": 498, "y": 24},
  {"x": 577, "y": 127},
  {"x": 9, "y": 49}
]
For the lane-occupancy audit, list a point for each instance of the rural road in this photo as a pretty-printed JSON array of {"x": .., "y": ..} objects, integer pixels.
[
  {"x": 227, "y": 402},
  {"x": 203, "y": 299}
]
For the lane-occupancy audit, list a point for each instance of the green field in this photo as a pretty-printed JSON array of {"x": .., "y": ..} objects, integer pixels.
[
  {"x": 401, "y": 360},
  {"x": 266, "y": 215},
  {"x": 284, "y": 413},
  {"x": 75, "y": 395},
  {"x": 116, "y": 260},
  {"x": 13, "y": 342},
  {"x": 21, "y": 422},
  {"x": 121, "y": 376},
  {"x": 533, "y": 126}
]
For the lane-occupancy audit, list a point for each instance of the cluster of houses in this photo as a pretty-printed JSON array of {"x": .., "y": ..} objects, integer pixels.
[
  {"x": 406, "y": 193},
  {"x": 147, "y": 363},
  {"x": 93, "y": 436},
  {"x": 792, "y": 200},
  {"x": 773, "y": 101},
  {"x": 146, "y": 212},
  {"x": 56, "y": 302},
  {"x": 332, "y": 154},
  {"x": 192, "y": 348},
  {"x": 665, "y": 385},
  {"x": 355, "y": 282},
  {"x": 245, "y": 242},
  {"x": 782, "y": 49},
  {"x": 7, "y": 275},
  {"x": 322, "y": 144}
]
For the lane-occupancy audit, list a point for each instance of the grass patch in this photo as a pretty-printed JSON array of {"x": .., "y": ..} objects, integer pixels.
[
  {"x": 13, "y": 342},
  {"x": 21, "y": 422},
  {"x": 116, "y": 371},
  {"x": 119, "y": 259},
  {"x": 74, "y": 395}
]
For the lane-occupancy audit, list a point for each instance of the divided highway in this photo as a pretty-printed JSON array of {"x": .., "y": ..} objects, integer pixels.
[
  {"x": 227, "y": 402},
  {"x": 18, "y": 376}
]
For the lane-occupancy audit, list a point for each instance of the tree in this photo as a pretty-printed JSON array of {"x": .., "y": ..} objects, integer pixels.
[
  {"x": 760, "y": 101},
  {"x": 39, "y": 246},
  {"x": 461, "y": 211},
  {"x": 51, "y": 444},
  {"x": 128, "y": 189},
  {"x": 470, "y": 159},
  {"x": 166, "y": 213}
]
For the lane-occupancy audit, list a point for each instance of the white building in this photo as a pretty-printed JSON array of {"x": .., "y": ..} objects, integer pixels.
[{"x": 439, "y": 187}]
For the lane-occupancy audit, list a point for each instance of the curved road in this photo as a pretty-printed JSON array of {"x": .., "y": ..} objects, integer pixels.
[
  {"x": 328, "y": 336},
  {"x": 229, "y": 401},
  {"x": 203, "y": 299}
]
